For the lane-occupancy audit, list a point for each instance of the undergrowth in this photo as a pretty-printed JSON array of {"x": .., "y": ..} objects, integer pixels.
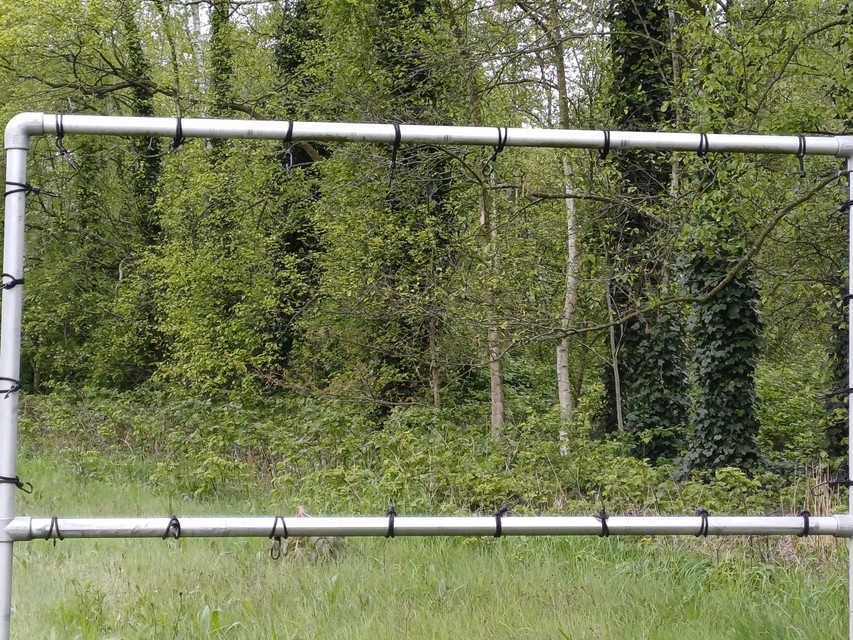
[{"x": 326, "y": 454}]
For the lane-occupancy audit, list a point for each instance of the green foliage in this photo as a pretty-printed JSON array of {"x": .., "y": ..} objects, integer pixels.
[
  {"x": 216, "y": 271},
  {"x": 792, "y": 419},
  {"x": 323, "y": 454}
]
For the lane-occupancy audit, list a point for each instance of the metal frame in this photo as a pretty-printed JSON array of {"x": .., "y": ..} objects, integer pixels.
[
  {"x": 24, "y": 528},
  {"x": 17, "y": 138}
]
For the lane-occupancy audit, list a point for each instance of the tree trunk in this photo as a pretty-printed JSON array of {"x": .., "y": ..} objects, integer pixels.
[
  {"x": 496, "y": 376},
  {"x": 564, "y": 388},
  {"x": 197, "y": 40},
  {"x": 434, "y": 367},
  {"x": 614, "y": 358},
  {"x": 488, "y": 239},
  {"x": 570, "y": 300},
  {"x": 487, "y": 235}
]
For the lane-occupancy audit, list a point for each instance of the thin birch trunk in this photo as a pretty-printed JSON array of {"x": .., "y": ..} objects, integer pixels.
[{"x": 564, "y": 388}]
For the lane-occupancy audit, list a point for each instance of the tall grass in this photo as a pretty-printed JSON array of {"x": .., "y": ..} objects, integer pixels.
[{"x": 423, "y": 588}]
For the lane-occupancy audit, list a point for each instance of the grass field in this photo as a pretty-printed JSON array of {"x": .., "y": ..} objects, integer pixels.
[{"x": 431, "y": 588}]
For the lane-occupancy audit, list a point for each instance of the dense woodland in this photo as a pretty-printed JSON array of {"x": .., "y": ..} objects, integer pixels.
[{"x": 686, "y": 309}]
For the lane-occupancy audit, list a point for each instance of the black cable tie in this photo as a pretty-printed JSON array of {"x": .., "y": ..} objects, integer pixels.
[
  {"x": 502, "y": 136},
  {"x": 13, "y": 281},
  {"x": 179, "y": 138},
  {"x": 275, "y": 549},
  {"x": 26, "y": 487},
  {"x": 845, "y": 299},
  {"x": 702, "y": 152},
  {"x": 173, "y": 528},
  {"x": 22, "y": 187},
  {"x": 602, "y": 155},
  {"x": 801, "y": 152},
  {"x": 844, "y": 207},
  {"x": 288, "y": 147},
  {"x": 60, "y": 136},
  {"x": 602, "y": 516},
  {"x": 703, "y": 526},
  {"x": 832, "y": 484},
  {"x": 391, "y": 513},
  {"x": 26, "y": 187},
  {"x": 833, "y": 393},
  {"x": 394, "y": 149},
  {"x": 13, "y": 388},
  {"x": 704, "y": 146},
  {"x": 53, "y": 533},
  {"x": 805, "y": 516},
  {"x": 499, "y": 514}
]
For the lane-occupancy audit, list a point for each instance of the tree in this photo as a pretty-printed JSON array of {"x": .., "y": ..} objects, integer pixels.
[{"x": 648, "y": 377}]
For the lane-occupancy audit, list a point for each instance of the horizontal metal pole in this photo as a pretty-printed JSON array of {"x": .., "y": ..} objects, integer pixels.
[
  {"x": 24, "y": 528},
  {"x": 40, "y": 124}
]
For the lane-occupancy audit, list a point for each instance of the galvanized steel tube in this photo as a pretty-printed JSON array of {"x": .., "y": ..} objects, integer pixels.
[
  {"x": 17, "y": 146},
  {"x": 26, "y": 528},
  {"x": 850, "y": 382},
  {"x": 442, "y": 135}
]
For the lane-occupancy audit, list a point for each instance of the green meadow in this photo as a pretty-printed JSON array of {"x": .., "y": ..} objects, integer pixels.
[{"x": 419, "y": 588}]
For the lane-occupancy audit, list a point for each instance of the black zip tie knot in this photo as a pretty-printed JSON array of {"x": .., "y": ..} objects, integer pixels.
[
  {"x": 275, "y": 548},
  {"x": 602, "y": 155},
  {"x": 801, "y": 152},
  {"x": 844, "y": 207},
  {"x": 805, "y": 515},
  {"x": 391, "y": 513},
  {"x": 503, "y": 133},
  {"x": 53, "y": 533},
  {"x": 832, "y": 484},
  {"x": 703, "y": 526},
  {"x": 179, "y": 138},
  {"x": 702, "y": 152},
  {"x": 394, "y": 149},
  {"x": 499, "y": 514},
  {"x": 27, "y": 188},
  {"x": 14, "y": 387},
  {"x": 602, "y": 516},
  {"x": 845, "y": 299},
  {"x": 26, "y": 487},
  {"x": 838, "y": 483},
  {"x": 60, "y": 136},
  {"x": 704, "y": 147},
  {"x": 173, "y": 528},
  {"x": 288, "y": 147},
  {"x": 12, "y": 283}
]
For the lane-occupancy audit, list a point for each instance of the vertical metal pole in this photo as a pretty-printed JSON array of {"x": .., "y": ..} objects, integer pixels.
[
  {"x": 10, "y": 362},
  {"x": 849, "y": 382}
]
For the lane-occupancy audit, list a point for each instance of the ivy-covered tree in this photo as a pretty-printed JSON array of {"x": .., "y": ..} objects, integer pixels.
[
  {"x": 648, "y": 376},
  {"x": 726, "y": 334}
]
